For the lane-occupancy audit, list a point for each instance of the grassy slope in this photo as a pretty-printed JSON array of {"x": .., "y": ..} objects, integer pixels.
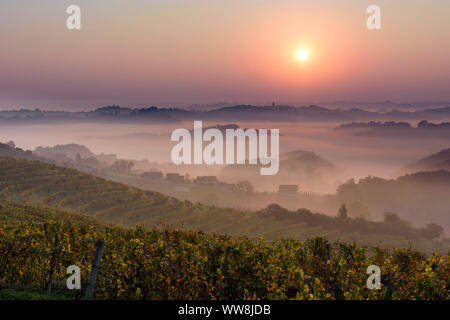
[
  {"x": 12, "y": 212},
  {"x": 140, "y": 264},
  {"x": 65, "y": 189}
]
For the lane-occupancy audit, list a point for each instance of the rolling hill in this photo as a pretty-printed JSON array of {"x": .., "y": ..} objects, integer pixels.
[
  {"x": 13, "y": 212},
  {"x": 296, "y": 167},
  {"x": 437, "y": 161},
  {"x": 246, "y": 113},
  {"x": 42, "y": 184},
  {"x": 154, "y": 265}
]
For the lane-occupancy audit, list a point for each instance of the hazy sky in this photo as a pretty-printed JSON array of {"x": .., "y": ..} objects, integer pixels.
[{"x": 144, "y": 52}]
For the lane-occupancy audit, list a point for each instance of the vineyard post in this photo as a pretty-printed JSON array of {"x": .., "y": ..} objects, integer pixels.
[
  {"x": 166, "y": 248},
  {"x": 166, "y": 232},
  {"x": 328, "y": 245},
  {"x": 94, "y": 270},
  {"x": 225, "y": 261},
  {"x": 225, "y": 268},
  {"x": 434, "y": 267},
  {"x": 48, "y": 286},
  {"x": 306, "y": 261},
  {"x": 386, "y": 281}
]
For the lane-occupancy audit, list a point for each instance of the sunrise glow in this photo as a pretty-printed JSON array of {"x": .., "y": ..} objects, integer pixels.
[{"x": 302, "y": 54}]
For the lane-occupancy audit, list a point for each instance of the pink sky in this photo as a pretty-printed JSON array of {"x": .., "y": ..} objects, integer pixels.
[{"x": 181, "y": 52}]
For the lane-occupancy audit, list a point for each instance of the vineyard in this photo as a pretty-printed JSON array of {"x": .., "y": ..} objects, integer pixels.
[
  {"x": 47, "y": 185},
  {"x": 154, "y": 264}
]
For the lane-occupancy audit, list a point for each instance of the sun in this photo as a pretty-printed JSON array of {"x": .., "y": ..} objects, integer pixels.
[{"x": 302, "y": 54}]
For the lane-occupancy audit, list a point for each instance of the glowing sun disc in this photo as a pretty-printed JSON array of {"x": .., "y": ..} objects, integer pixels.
[{"x": 302, "y": 54}]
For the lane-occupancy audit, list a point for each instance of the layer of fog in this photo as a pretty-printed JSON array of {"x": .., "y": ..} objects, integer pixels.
[{"x": 355, "y": 156}]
